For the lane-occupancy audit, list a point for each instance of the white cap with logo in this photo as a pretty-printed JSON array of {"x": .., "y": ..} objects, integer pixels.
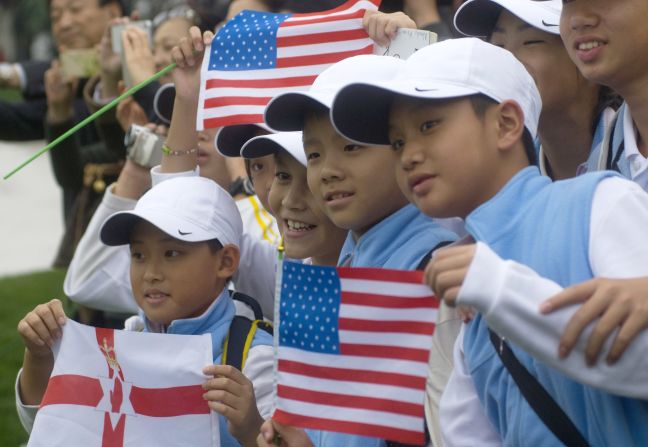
[
  {"x": 451, "y": 69},
  {"x": 191, "y": 209},
  {"x": 286, "y": 112},
  {"x": 478, "y": 17},
  {"x": 263, "y": 145}
]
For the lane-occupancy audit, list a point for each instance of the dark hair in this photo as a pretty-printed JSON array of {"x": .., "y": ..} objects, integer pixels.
[
  {"x": 481, "y": 103},
  {"x": 214, "y": 245}
]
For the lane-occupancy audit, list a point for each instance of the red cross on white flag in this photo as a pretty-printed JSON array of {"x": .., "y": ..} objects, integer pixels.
[{"x": 118, "y": 389}]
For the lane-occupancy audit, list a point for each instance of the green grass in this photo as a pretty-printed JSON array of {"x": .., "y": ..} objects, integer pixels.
[
  {"x": 10, "y": 95},
  {"x": 19, "y": 295}
]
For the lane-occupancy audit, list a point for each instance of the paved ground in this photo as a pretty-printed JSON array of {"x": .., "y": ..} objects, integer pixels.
[{"x": 31, "y": 222}]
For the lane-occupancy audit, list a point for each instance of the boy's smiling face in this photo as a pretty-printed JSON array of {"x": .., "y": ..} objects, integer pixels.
[
  {"x": 607, "y": 40},
  {"x": 173, "y": 279},
  {"x": 354, "y": 185},
  {"x": 448, "y": 155},
  {"x": 307, "y": 231}
]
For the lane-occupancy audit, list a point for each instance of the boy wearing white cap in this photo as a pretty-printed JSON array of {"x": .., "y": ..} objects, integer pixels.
[
  {"x": 356, "y": 188},
  {"x": 184, "y": 237},
  {"x": 251, "y": 180},
  {"x": 575, "y": 111},
  {"x": 308, "y": 233},
  {"x": 461, "y": 115}
]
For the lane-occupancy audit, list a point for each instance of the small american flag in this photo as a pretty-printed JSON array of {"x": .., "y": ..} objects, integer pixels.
[
  {"x": 353, "y": 352},
  {"x": 258, "y": 55}
]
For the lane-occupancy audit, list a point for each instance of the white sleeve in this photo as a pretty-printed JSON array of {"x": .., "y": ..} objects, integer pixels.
[
  {"x": 26, "y": 413},
  {"x": 440, "y": 367},
  {"x": 618, "y": 247},
  {"x": 157, "y": 177},
  {"x": 98, "y": 276},
  {"x": 509, "y": 294},
  {"x": 256, "y": 273},
  {"x": 462, "y": 418},
  {"x": 258, "y": 368}
]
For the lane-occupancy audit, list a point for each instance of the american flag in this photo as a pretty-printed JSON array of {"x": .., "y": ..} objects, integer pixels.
[
  {"x": 353, "y": 350},
  {"x": 258, "y": 55}
]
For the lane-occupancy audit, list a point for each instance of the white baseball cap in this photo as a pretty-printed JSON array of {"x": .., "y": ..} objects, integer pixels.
[
  {"x": 263, "y": 145},
  {"x": 191, "y": 209},
  {"x": 286, "y": 112},
  {"x": 230, "y": 139},
  {"x": 478, "y": 17},
  {"x": 453, "y": 68}
]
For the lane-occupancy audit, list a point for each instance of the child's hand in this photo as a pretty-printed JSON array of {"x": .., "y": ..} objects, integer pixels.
[
  {"x": 447, "y": 271},
  {"x": 275, "y": 434},
  {"x": 382, "y": 27},
  {"x": 41, "y": 327},
  {"x": 231, "y": 394},
  {"x": 188, "y": 55},
  {"x": 615, "y": 303}
]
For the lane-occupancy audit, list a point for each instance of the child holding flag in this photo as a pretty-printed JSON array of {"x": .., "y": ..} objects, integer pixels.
[
  {"x": 184, "y": 237},
  {"x": 461, "y": 115},
  {"x": 356, "y": 188}
]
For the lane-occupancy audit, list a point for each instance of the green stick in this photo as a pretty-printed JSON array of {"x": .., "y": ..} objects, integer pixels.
[{"x": 93, "y": 117}]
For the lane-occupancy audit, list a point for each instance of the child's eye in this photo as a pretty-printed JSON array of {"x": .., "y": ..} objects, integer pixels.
[
  {"x": 256, "y": 167},
  {"x": 282, "y": 176},
  {"x": 429, "y": 125},
  {"x": 312, "y": 156},
  {"x": 351, "y": 147},
  {"x": 533, "y": 42},
  {"x": 171, "y": 253},
  {"x": 397, "y": 145},
  {"x": 137, "y": 256}
]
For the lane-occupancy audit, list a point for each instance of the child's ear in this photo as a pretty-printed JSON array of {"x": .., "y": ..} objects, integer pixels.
[
  {"x": 510, "y": 125},
  {"x": 229, "y": 257}
]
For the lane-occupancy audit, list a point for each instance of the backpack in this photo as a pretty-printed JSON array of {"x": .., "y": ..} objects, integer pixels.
[{"x": 242, "y": 331}]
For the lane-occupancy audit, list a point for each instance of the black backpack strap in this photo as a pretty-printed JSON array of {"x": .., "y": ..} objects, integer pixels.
[
  {"x": 537, "y": 397},
  {"x": 242, "y": 331},
  {"x": 239, "y": 340},
  {"x": 428, "y": 256},
  {"x": 250, "y": 302}
]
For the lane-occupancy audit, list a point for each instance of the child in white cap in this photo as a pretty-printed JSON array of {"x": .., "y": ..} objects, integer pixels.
[
  {"x": 307, "y": 232},
  {"x": 575, "y": 111},
  {"x": 251, "y": 179},
  {"x": 184, "y": 237},
  {"x": 356, "y": 188},
  {"x": 461, "y": 115}
]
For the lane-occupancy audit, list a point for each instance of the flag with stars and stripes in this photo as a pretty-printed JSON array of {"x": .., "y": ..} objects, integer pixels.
[
  {"x": 258, "y": 55},
  {"x": 353, "y": 350}
]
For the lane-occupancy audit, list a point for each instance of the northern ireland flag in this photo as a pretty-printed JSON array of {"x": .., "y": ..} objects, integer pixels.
[
  {"x": 117, "y": 388},
  {"x": 354, "y": 345}
]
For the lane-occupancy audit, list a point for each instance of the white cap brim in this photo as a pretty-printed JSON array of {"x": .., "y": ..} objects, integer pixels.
[
  {"x": 290, "y": 142},
  {"x": 118, "y": 228},
  {"x": 478, "y": 18},
  {"x": 361, "y": 111}
]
